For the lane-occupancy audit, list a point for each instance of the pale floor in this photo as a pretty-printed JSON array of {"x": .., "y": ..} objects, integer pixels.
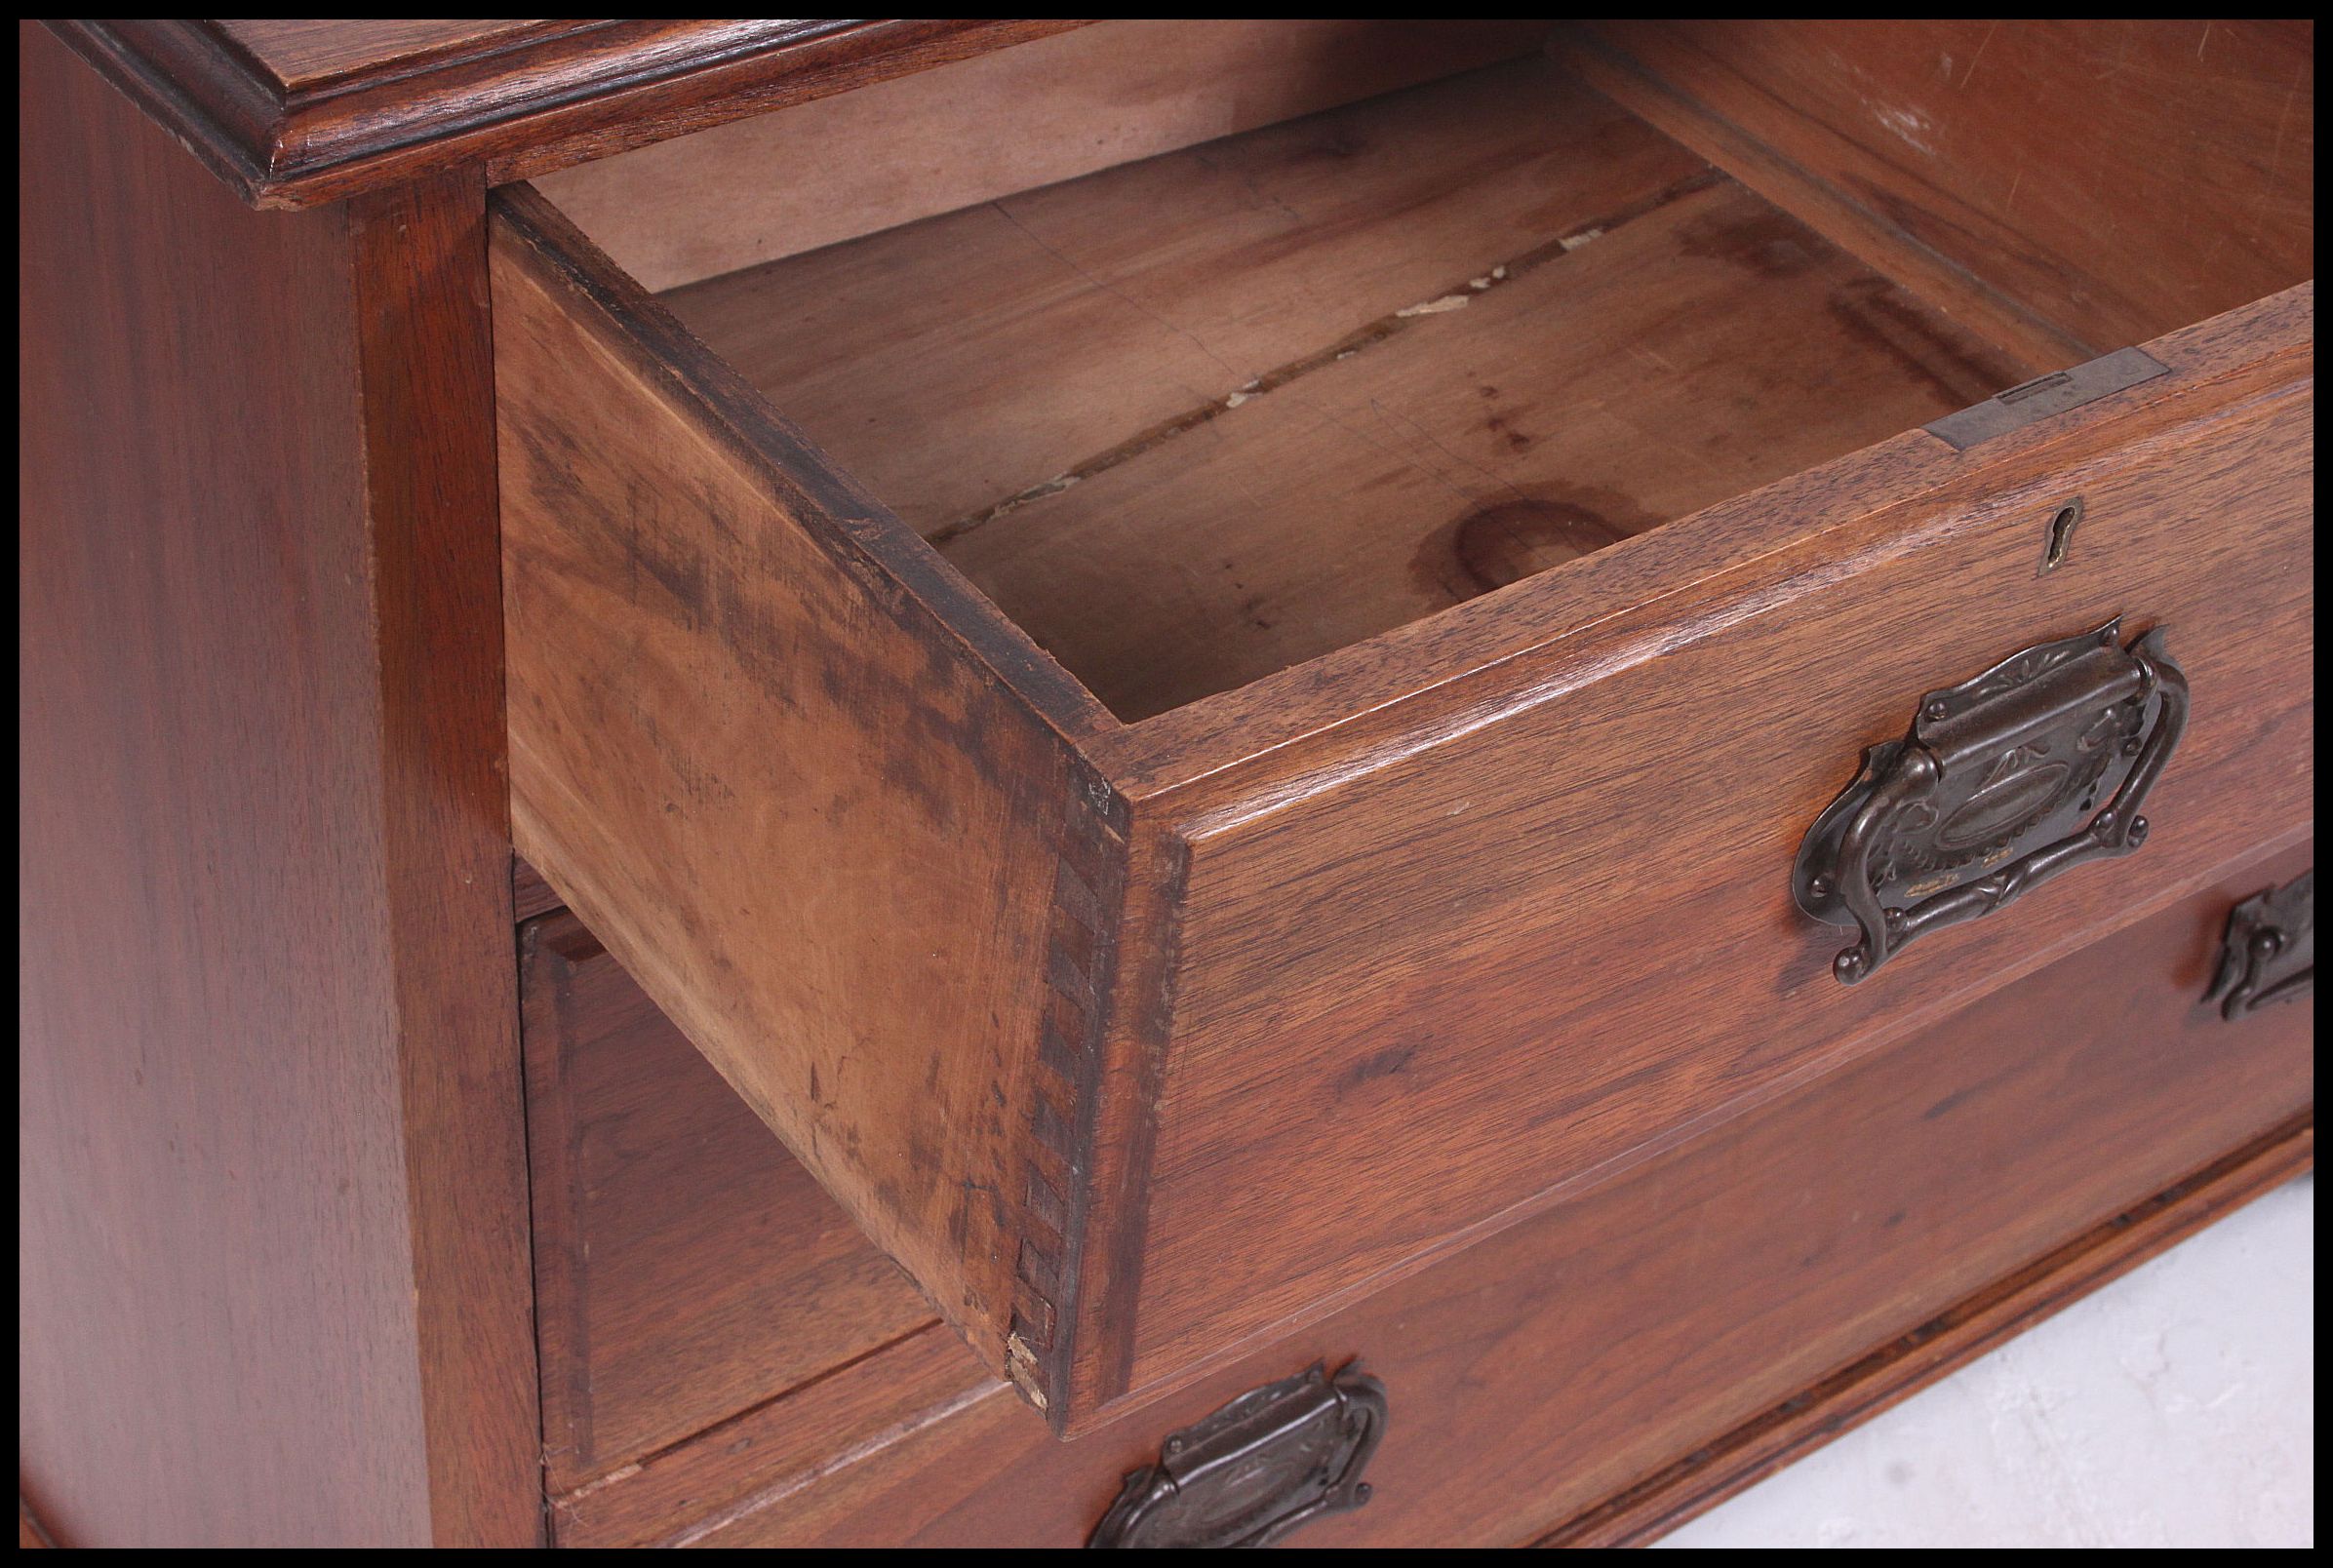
[{"x": 2176, "y": 1407}]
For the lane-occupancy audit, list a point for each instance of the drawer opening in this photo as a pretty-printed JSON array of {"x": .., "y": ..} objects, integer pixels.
[
  {"x": 1334, "y": 446},
  {"x": 1196, "y": 418}
]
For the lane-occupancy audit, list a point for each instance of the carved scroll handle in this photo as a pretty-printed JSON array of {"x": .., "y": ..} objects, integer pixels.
[{"x": 1994, "y": 791}]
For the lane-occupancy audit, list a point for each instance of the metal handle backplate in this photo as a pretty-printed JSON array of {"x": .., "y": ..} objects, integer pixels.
[
  {"x": 2269, "y": 952},
  {"x": 1258, "y": 1467},
  {"x": 1994, "y": 789}
]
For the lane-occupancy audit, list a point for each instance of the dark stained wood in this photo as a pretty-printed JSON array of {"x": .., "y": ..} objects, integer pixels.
[
  {"x": 2006, "y": 323},
  {"x": 303, "y": 54},
  {"x": 989, "y": 127},
  {"x": 1676, "y": 1329},
  {"x": 724, "y": 660},
  {"x": 426, "y": 388},
  {"x": 1562, "y": 930},
  {"x": 530, "y": 894},
  {"x": 1120, "y": 1037},
  {"x": 274, "y": 1236},
  {"x": 2110, "y": 179},
  {"x": 686, "y": 1268},
  {"x": 1201, "y": 417},
  {"x": 301, "y": 113}
]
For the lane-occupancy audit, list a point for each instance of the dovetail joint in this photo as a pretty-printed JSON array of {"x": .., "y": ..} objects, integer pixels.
[{"x": 1079, "y": 959}]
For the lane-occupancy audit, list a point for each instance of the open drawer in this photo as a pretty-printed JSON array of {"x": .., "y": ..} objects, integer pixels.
[{"x": 1197, "y": 737}]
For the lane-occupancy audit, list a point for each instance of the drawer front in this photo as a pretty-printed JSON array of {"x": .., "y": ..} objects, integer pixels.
[
  {"x": 1748, "y": 1293},
  {"x": 1139, "y": 1046},
  {"x": 1546, "y": 923}
]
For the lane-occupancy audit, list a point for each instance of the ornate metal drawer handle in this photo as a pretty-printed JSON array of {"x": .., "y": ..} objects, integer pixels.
[
  {"x": 1256, "y": 1468},
  {"x": 1942, "y": 826},
  {"x": 2270, "y": 954}
]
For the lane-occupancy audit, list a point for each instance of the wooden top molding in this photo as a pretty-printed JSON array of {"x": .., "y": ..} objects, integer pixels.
[
  {"x": 300, "y": 54},
  {"x": 300, "y": 113}
]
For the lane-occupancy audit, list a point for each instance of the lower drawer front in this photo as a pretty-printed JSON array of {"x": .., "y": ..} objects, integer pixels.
[{"x": 1547, "y": 1371}]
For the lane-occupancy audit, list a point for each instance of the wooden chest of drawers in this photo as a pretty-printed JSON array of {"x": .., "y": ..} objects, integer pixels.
[{"x": 1220, "y": 669}]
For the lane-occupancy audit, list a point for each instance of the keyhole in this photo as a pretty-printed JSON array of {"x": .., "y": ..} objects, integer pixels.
[{"x": 2061, "y": 534}]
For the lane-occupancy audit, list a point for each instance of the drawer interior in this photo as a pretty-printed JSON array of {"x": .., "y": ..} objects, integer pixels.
[{"x": 1196, "y": 418}]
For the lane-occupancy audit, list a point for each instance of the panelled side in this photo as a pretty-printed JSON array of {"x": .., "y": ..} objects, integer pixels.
[
  {"x": 272, "y": 1204},
  {"x": 818, "y": 801}
]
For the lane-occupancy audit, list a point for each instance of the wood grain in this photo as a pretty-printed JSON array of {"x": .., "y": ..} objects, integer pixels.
[
  {"x": 1312, "y": 720},
  {"x": 1113, "y": 380},
  {"x": 274, "y": 1246},
  {"x": 1563, "y": 931},
  {"x": 686, "y": 1268},
  {"x": 303, "y": 54},
  {"x": 2114, "y": 180},
  {"x": 295, "y": 114},
  {"x": 1489, "y": 801},
  {"x": 2006, "y": 321},
  {"x": 426, "y": 404},
  {"x": 1023, "y": 336},
  {"x": 988, "y": 127},
  {"x": 1955, "y": 1337},
  {"x": 1037, "y": 994},
  {"x": 1688, "y": 354},
  {"x": 725, "y": 661},
  {"x": 1737, "y": 1300},
  {"x": 700, "y": 1492}
]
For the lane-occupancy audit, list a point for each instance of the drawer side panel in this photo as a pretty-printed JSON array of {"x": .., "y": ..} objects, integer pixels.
[
  {"x": 824, "y": 813},
  {"x": 2013, "y": 153}
]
